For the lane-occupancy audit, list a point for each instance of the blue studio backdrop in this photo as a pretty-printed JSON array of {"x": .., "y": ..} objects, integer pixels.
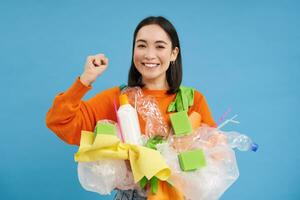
[{"x": 242, "y": 55}]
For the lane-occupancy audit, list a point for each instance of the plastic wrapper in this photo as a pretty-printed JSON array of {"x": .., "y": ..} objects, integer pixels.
[
  {"x": 205, "y": 137},
  {"x": 148, "y": 109},
  {"x": 211, "y": 181},
  {"x": 104, "y": 176}
]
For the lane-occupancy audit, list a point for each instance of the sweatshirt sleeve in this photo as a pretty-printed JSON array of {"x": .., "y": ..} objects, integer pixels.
[
  {"x": 201, "y": 106},
  {"x": 69, "y": 115}
]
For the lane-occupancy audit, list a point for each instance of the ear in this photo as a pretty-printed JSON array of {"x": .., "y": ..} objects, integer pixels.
[{"x": 174, "y": 53}]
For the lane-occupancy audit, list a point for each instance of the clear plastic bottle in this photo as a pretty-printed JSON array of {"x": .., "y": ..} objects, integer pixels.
[
  {"x": 240, "y": 141},
  {"x": 129, "y": 122}
]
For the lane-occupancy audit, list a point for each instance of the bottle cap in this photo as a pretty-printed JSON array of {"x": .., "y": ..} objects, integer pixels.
[
  {"x": 123, "y": 99},
  {"x": 254, "y": 147}
]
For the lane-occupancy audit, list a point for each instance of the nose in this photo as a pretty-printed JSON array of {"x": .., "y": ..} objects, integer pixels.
[{"x": 150, "y": 54}]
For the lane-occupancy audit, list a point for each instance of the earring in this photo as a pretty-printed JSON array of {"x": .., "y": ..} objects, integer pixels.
[{"x": 172, "y": 63}]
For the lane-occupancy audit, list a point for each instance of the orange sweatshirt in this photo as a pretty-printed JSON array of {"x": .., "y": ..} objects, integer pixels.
[{"x": 69, "y": 114}]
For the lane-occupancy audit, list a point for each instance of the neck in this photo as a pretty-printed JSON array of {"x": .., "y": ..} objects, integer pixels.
[{"x": 156, "y": 84}]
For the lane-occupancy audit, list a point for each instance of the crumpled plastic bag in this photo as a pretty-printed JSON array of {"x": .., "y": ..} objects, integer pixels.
[
  {"x": 148, "y": 109},
  {"x": 104, "y": 176},
  {"x": 210, "y": 181}
]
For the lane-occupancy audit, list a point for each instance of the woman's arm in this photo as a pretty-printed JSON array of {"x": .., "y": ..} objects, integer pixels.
[{"x": 69, "y": 115}]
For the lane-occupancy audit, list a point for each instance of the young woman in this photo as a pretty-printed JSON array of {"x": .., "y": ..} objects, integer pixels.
[{"x": 156, "y": 68}]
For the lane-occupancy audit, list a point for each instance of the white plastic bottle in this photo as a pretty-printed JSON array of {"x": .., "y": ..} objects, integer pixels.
[
  {"x": 240, "y": 141},
  {"x": 129, "y": 122}
]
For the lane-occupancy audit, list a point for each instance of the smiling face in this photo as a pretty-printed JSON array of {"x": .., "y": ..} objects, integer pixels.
[{"x": 153, "y": 53}]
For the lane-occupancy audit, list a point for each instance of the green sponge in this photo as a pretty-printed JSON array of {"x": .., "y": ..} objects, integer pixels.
[
  {"x": 106, "y": 128},
  {"x": 191, "y": 160},
  {"x": 180, "y": 123}
]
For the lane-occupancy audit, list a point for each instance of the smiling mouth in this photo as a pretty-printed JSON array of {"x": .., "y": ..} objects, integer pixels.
[{"x": 150, "y": 65}]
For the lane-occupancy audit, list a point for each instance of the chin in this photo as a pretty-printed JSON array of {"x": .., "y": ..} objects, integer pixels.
[{"x": 149, "y": 77}]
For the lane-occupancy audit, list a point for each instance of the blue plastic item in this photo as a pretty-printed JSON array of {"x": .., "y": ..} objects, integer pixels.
[{"x": 240, "y": 141}]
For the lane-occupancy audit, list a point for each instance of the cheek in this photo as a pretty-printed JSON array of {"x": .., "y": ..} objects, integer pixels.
[
  {"x": 165, "y": 58},
  {"x": 137, "y": 56},
  {"x": 165, "y": 55}
]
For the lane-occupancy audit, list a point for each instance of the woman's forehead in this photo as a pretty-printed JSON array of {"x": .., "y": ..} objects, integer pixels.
[{"x": 151, "y": 34}]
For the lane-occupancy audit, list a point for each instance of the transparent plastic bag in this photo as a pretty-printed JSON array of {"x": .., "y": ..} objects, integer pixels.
[
  {"x": 104, "y": 176},
  {"x": 148, "y": 109},
  {"x": 204, "y": 137},
  {"x": 210, "y": 181}
]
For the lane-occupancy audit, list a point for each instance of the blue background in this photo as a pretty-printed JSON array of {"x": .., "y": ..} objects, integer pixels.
[{"x": 243, "y": 55}]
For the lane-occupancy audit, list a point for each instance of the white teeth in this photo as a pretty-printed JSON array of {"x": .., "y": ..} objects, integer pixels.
[{"x": 150, "y": 65}]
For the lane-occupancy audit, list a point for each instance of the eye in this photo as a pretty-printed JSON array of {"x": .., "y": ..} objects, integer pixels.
[
  {"x": 160, "y": 47},
  {"x": 141, "y": 46}
]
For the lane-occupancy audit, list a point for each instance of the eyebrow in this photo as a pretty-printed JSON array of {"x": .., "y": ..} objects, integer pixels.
[{"x": 158, "y": 41}]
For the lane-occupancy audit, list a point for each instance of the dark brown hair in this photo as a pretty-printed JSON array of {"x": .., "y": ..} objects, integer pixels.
[{"x": 174, "y": 72}]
